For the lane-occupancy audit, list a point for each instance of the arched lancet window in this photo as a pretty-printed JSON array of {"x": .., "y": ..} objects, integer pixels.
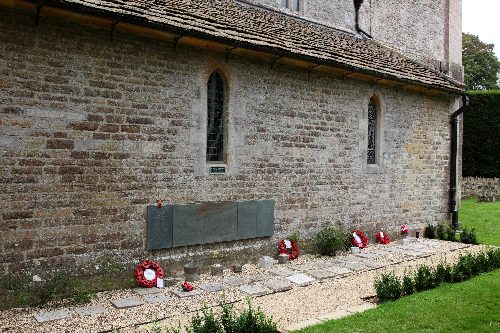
[
  {"x": 372, "y": 132},
  {"x": 215, "y": 118}
]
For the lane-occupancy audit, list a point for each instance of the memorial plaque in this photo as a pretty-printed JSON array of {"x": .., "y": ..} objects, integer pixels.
[
  {"x": 301, "y": 279},
  {"x": 217, "y": 170},
  {"x": 159, "y": 227}
]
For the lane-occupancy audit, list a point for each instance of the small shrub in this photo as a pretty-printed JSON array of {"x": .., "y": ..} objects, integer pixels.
[
  {"x": 430, "y": 231},
  {"x": 462, "y": 270},
  {"x": 441, "y": 231},
  {"x": 408, "y": 285},
  {"x": 493, "y": 258},
  {"x": 329, "y": 240},
  {"x": 388, "y": 287},
  {"x": 450, "y": 234},
  {"x": 442, "y": 273},
  {"x": 423, "y": 279},
  {"x": 468, "y": 236}
]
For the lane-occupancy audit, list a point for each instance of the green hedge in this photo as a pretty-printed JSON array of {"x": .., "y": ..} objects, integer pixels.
[{"x": 481, "y": 149}]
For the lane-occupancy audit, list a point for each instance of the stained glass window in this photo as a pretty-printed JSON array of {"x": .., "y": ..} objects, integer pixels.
[
  {"x": 372, "y": 132},
  {"x": 291, "y": 4},
  {"x": 215, "y": 118}
]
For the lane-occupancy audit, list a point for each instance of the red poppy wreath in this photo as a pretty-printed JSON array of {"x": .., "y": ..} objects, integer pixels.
[
  {"x": 290, "y": 248},
  {"x": 359, "y": 239},
  {"x": 147, "y": 272},
  {"x": 382, "y": 238}
]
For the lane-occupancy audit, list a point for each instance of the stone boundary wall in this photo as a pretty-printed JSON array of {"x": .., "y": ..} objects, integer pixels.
[{"x": 477, "y": 187}]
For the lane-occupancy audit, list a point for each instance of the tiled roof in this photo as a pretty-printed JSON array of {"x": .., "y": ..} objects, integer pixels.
[{"x": 249, "y": 27}]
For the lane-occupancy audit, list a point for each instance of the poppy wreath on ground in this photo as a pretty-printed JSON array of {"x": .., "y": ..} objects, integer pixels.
[
  {"x": 382, "y": 238},
  {"x": 292, "y": 250},
  {"x": 359, "y": 239},
  {"x": 187, "y": 287},
  {"x": 147, "y": 272}
]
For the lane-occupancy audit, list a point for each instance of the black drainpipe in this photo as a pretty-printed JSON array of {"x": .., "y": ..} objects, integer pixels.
[
  {"x": 453, "y": 166},
  {"x": 357, "y": 6}
]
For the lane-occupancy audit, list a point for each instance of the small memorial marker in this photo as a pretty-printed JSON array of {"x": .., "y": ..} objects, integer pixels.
[
  {"x": 236, "y": 281},
  {"x": 321, "y": 274},
  {"x": 301, "y": 279},
  {"x": 123, "y": 303},
  {"x": 282, "y": 271},
  {"x": 157, "y": 298},
  {"x": 338, "y": 270},
  {"x": 146, "y": 291},
  {"x": 254, "y": 290},
  {"x": 90, "y": 310},
  {"x": 277, "y": 285},
  {"x": 44, "y": 317},
  {"x": 211, "y": 287},
  {"x": 265, "y": 262}
]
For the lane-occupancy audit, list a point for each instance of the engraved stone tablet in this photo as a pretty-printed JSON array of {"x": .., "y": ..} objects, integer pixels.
[
  {"x": 277, "y": 285},
  {"x": 211, "y": 287},
  {"x": 254, "y": 290},
  {"x": 123, "y": 303},
  {"x": 44, "y": 317},
  {"x": 90, "y": 310},
  {"x": 301, "y": 279}
]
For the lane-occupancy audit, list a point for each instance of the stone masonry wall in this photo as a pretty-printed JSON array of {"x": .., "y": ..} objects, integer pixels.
[
  {"x": 477, "y": 187},
  {"x": 93, "y": 130}
]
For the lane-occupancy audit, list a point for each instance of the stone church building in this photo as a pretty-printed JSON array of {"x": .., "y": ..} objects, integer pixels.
[{"x": 252, "y": 119}]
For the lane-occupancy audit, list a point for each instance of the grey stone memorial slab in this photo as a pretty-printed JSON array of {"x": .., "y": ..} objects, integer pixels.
[
  {"x": 254, "y": 290},
  {"x": 257, "y": 277},
  {"x": 265, "y": 218},
  {"x": 157, "y": 298},
  {"x": 90, "y": 310},
  {"x": 277, "y": 285},
  {"x": 305, "y": 267},
  {"x": 321, "y": 274},
  {"x": 236, "y": 281},
  {"x": 159, "y": 227},
  {"x": 211, "y": 287},
  {"x": 217, "y": 221},
  {"x": 146, "y": 291},
  {"x": 282, "y": 271},
  {"x": 247, "y": 220},
  {"x": 180, "y": 293},
  {"x": 123, "y": 303},
  {"x": 47, "y": 316},
  {"x": 339, "y": 270},
  {"x": 185, "y": 227},
  {"x": 301, "y": 279}
]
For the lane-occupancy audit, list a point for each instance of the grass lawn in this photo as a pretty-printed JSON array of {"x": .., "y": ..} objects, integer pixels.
[
  {"x": 471, "y": 306},
  {"x": 484, "y": 217}
]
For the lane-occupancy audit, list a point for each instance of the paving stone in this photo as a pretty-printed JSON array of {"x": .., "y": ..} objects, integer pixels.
[
  {"x": 282, "y": 271},
  {"x": 47, "y": 316},
  {"x": 212, "y": 287},
  {"x": 321, "y": 274},
  {"x": 254, "y": 290},
  {"x": 305, "y": 267},
  {"x": 337, "y": 314},
  {"x": 277, "y": 285},
  {"x": 181, "y": 293},
  {"x": 157, "y": 298},
  {"x": 366, "y": 262},
  {"x": 236, "y": 281},
  {"x": 360, "y": 308},
  {"x": 146, "y": 291},
  {"x": 123, "y": 303},
  {"x": 302, "y": 324},
  {"x": 90, "y": 310},
  {"x": 301, "y": 279},
  {"x": 257, "y": 277},
  {"x": 339, "y": 270}
]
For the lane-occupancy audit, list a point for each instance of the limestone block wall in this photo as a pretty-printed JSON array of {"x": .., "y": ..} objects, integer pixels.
[
  {"x": 477, "y": 187},
  {"x": 93, "y": 130}
]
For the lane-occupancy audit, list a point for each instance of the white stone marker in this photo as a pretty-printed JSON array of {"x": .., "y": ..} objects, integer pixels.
[{"x": 266, "y": 262}]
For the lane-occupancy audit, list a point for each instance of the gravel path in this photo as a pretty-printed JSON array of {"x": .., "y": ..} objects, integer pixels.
[{"x": 293, "y": 306}]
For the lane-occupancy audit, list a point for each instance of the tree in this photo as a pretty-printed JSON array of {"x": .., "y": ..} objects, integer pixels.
[{"x": 481, "y": 66}]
